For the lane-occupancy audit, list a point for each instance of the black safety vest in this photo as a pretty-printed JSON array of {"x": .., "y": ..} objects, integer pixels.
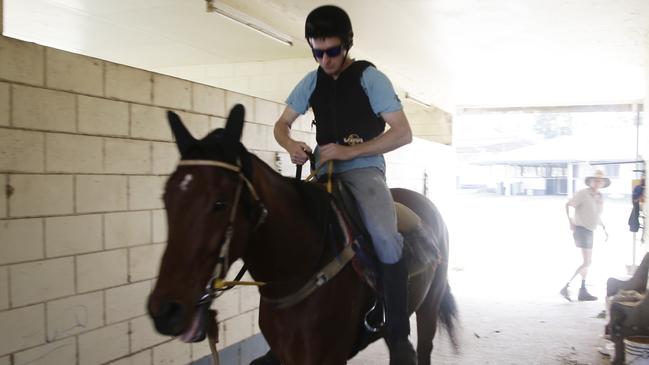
[{"x": 343, "y": 113}]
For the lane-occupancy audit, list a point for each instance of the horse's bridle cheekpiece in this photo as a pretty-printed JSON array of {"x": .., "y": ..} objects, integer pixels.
[{"x": 216, "y": 285}]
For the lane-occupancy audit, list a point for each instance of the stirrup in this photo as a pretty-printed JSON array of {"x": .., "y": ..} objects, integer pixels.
[{"x": 366, "y": 322}]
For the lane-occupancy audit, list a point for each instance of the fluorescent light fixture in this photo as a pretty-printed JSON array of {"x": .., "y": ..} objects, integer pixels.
[
  {"x": 417, "y": 101},
  {"x": 248, "y": 21}
]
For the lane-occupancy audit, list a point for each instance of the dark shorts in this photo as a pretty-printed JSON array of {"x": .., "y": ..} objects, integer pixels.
[{"x": 583, "y": 237}]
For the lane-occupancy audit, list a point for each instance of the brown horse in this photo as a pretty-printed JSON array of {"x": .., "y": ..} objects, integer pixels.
[{"x": 216, "y": 202}]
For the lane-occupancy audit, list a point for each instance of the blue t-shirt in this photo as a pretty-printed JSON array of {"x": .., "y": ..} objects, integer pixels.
[{"x": 382, "y": 97}]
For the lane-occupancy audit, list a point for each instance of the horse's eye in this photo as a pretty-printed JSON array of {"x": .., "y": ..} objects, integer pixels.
[{"x": 219, "y": 205}]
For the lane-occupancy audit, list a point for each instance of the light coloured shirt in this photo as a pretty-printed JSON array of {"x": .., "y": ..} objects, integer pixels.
[{"x": 588, "y": 206}]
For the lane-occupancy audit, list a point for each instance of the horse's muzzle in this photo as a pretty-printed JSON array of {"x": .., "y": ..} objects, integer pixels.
[{"x": 168, "y": 317}]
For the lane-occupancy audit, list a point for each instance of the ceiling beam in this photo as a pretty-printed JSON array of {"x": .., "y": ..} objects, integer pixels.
[{"x": 624, "y": 107}]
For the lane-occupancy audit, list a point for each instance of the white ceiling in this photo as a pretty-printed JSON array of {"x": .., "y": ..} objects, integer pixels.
[{"x": 448, "y": 52}]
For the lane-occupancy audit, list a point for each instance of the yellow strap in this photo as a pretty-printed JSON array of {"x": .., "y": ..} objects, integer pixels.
[
  {"x": 330, "y": 168},
  {"x": 219, "y": 283}
]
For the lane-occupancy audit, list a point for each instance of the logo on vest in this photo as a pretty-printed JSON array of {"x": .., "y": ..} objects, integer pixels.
[{"x": 353, "y": 139}]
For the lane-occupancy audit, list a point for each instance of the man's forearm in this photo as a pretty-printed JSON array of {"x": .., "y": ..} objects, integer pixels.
[
  {"x": 282, "y": 129},
  {"x": 386, "y": 142},
  {"x": 282, "y": 134}
]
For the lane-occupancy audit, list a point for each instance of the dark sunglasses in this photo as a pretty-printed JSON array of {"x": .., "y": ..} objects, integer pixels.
[{"x": 331, "y": 52}]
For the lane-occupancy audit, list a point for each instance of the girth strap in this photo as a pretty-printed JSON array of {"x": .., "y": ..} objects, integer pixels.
[{"x": 316, "y": 281}]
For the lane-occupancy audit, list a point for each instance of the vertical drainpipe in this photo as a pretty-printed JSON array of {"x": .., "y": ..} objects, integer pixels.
[
  {"x": 636, "y": 117},
  {"x": 569, "y": 178},
  {"x": 638, "y": 166},
  {"x": 643, "y": 136}
]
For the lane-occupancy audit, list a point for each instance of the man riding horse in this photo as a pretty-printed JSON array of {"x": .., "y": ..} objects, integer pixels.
[{"x": 352, "y": 101}]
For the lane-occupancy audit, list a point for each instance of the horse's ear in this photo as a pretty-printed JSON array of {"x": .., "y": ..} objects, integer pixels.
[
  {"x": 184, "y": 139},
  {"x": 234, "y": 125}
]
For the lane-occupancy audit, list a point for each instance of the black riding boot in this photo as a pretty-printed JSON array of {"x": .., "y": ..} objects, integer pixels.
[{"x": 395, "y": 291}]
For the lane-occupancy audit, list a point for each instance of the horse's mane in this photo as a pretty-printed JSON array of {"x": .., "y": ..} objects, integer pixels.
[{"x": 313, "y": 196}]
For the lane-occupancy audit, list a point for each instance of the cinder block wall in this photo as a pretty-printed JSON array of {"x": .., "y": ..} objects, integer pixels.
[
  {"x": 84, "y": 152},
  {"x": 271, "y": 80}
]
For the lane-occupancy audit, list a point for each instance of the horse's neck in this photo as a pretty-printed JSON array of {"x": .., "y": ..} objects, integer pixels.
[{"x": 288, "y": 245}]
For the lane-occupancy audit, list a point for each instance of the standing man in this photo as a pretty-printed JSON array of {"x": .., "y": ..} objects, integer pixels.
[
  {"x": 637, "y": 199},
  {"x": 352, "y": 101},
  {"x": 588, "y": 204}
]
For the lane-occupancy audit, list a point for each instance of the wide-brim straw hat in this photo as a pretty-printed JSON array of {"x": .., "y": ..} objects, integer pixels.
[{"x": 598, "y": 174}]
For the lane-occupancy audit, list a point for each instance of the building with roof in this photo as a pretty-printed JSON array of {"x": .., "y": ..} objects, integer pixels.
[{"x": 559, "y": 165}]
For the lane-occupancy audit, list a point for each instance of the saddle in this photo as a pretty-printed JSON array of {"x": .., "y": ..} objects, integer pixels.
[{"x": 418, "y": 250}]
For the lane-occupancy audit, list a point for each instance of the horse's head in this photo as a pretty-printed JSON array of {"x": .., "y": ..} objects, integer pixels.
[{"x": 211, "y": 210}]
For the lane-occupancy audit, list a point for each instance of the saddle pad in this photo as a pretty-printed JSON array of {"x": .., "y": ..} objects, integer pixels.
[
  {"x": 407, "y": 220},
  {"x": 419, "y": 250}
]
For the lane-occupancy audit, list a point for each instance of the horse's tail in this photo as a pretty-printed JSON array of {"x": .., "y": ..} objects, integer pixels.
[{"x": 448, "y": 316}]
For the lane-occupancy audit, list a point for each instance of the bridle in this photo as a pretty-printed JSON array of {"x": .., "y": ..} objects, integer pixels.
[{"x": 215, "y": 286}]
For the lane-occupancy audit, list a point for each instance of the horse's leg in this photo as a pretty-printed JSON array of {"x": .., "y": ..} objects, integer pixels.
[
  {"x": 268, "y": 359},
  {"x": 426, "y": 328},
  {"x": 427, "y": 315}
]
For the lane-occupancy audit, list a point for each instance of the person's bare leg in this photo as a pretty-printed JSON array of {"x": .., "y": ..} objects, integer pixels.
[
  {"x": 587, "y": 255},
  {"x": 587, "y": 258}
]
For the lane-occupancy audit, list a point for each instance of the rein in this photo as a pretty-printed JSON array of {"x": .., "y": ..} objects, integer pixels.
[{"x": 314, "y": 173}]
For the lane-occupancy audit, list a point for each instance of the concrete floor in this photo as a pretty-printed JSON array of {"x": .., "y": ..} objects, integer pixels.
[
  {"x": 509, "y": 257},
  {"x": 542, "y": 330}
]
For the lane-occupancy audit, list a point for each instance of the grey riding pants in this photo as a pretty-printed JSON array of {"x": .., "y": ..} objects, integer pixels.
[{"x": 377, "y": 211}]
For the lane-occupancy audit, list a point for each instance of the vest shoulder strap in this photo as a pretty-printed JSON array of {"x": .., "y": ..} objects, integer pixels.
[{"x": 357, "y": 68}]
